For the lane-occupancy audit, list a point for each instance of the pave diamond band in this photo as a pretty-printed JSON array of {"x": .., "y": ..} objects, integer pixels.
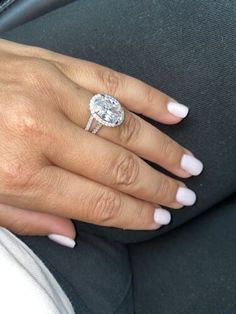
[{"x": 105, "y": 110}]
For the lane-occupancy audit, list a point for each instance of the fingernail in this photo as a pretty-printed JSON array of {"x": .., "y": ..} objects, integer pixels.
[
  {"x": 177, "y": 109},
  {"x": 61, "y": 239},
  {"x": 185, "y": 196},
  {"x": 191, "y": 164},
  {"x": 162, "y": 216}
]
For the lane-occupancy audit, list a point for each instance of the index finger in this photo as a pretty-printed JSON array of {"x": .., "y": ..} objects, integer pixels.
[{"x": 135, "y": 94}]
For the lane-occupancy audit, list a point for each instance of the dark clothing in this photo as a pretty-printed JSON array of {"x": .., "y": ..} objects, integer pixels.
[
  {"x": 190, "y": 270},
  {"x": 186, "y": 49}
]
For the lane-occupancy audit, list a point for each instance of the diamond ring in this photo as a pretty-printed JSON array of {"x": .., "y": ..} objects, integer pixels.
[{"x": 105, "y": 110}]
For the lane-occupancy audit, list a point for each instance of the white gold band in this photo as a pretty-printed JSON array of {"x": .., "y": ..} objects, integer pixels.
[{"x": 89, "y": 124}]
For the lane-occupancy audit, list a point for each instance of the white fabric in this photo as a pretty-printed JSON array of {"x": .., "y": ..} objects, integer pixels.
[{"x": 26, "y": 284}]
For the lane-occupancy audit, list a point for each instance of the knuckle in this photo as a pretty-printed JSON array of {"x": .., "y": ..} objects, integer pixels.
[
  {"x": 130, "y": 130},
  {"x": 126, "y": 171},
  {"x": 166, "y": 190},
  {"x": 107, "y": 208},
  {"x": 169, "y": 151},
  {"x": 164, "y": 147},
  {"x": 24, "y": 119},
  {"x": 111, "y": 80},
  {"x": 150, "y": 95},
  {"x": 15, "y": 176},
  {"x": 142, "y": 212}
]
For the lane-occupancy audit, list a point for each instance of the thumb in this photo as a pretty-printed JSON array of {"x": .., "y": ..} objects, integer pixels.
[{"x": 26, "y": 222}]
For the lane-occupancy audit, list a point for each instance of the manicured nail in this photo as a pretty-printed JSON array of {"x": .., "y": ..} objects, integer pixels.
[
  {"x": 177, "y": 109},
  {"x": 191, "y": 164},
  {"x": 162, "y": 216},
  {"x": 185, "y": 196},
  {"x": 61, "y": 239}
]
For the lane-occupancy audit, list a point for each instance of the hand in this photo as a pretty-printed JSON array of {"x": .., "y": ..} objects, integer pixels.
[{"x": 52, "y": 170}]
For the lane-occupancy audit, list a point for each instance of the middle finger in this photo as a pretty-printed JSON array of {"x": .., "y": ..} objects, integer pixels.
[
  {"x": 96, "y": 158},
  {"x": 135, "y": 134}
]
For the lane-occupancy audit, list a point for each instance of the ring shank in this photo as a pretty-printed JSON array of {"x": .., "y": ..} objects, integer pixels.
[{"x": 89, "y": 124}]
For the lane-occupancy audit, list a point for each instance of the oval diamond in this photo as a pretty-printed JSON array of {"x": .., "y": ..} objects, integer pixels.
[{"x": 106, "y": 110}]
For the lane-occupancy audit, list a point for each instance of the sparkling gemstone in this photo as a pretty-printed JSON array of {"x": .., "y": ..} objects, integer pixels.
[{"x": 107, "y": 110}]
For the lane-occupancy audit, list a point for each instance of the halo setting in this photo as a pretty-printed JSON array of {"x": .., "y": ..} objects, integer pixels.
[{"x": 106, "y": 110}]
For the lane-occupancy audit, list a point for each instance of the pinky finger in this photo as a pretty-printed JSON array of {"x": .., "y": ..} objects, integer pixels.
[{"x": 26, "y": 222}]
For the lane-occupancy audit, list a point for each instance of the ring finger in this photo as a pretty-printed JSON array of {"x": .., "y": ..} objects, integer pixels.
[
  {"x": 96, "y": 158},
  {"x": 135, "y": 134}
]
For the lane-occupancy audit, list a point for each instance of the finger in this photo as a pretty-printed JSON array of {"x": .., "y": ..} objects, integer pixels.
[
  {"x": 114, "y": 166},
  {"x": 135, "y": 134},
  {"x": 66, "y": 194},
  {"x": 27, "y": 222},
  {"x": 170, "y": 155},
  {"x": 136, "y": 95}
]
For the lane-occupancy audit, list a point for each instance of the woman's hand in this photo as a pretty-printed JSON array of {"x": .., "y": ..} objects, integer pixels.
[{"x": 52, "y": 170}]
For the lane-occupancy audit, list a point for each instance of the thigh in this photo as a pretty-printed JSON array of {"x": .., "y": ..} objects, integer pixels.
[
  {"x": 95, "y": 275},
  {"x": 189, "y": 270},
  {"x": 185, "y": 48}
]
